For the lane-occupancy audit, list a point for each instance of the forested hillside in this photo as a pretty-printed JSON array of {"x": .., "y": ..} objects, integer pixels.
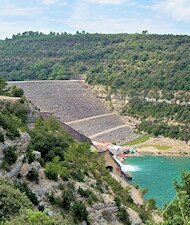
[
  {"x": 150, "y": 66},
  {"x": 127, "y": 61}
]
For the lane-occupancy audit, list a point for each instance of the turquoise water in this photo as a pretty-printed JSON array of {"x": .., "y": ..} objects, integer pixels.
[{"x": 157, "y": 173}]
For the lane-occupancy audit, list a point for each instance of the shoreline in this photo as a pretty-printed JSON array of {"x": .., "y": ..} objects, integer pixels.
[
  {"x": 163, "y": 153},
  {"x": 162, "y": 146}
]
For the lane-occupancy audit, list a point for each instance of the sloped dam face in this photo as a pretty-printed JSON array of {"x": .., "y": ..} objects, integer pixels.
[{"x": 77, "y": 107}]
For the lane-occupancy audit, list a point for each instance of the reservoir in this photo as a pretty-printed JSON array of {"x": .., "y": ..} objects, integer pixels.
[{"x": 157, "y": 173}]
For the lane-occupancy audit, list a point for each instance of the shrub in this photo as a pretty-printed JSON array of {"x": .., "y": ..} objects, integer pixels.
[
  {"x": 8, "y": 123},
  {"x": 19, "y": 110},
  {"x": 151, "y": 204},
  {"x": 78, "y": 175},
  {"x": 123, "y": 216},
  {"x": 31, "y": 217},
  {"x": 117, "y": 201},
  {"x": 10, "y": 156},
  {"x": 87, "y": 194},
  {"x": 16, "y": 92},
  {"x": 30, "y": 156},
  {"x": 2, "y": 139},
  {"x": 54, "y": 168},
  {"x": 67, "y": 198},
  {"x": 33, "y": 175},
  {"x": 52, "y": 175},
  {"x": 79, "y": 211},
  {"x": 11, "y": 200},
  {"x": 23, "y": 187}
]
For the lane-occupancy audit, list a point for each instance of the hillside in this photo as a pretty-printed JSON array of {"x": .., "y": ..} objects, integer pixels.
[
  {"x": 146, "y": 68},
  {"x": 48, "y": 178},
  {"x": 120, "y": 60}
]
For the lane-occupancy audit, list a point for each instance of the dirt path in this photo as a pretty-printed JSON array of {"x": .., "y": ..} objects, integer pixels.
[{"x": 135, "y": 193}]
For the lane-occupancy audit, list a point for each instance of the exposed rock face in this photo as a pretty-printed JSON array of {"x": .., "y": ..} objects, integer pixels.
[{"x": 21, "y": 143}]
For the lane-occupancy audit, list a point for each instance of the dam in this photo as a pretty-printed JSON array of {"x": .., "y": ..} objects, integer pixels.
[{"x": 75, "y": 106}]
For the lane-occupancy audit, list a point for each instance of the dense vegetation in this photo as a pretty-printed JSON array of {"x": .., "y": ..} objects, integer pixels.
[
  {"x": 13, "y": 115},
  {"x": 146, "y": 65},
  {"x": 161, "y": 118},
  {"x": 127, "y": 61}
]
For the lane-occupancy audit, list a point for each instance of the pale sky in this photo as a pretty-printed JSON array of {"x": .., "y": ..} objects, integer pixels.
[{"x": 95, "y": 16}]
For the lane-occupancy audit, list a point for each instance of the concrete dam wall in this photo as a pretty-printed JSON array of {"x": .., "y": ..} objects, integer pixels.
[{"x": 75, "y": 106}]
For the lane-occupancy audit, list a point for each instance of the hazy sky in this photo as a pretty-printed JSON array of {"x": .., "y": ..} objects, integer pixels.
[{"x": 102, "y": 16}]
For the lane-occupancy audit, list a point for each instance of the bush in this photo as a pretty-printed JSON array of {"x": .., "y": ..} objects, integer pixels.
[
  {"x": 117, "y": 201},
  {"x": 80, "y": 212},
  {"x": 123, "y": 216},
  {"x": 16, "y": 92},
  {"x": 25, "y": 189},
  {"x": 31, "y": 217},
  {"x": 11, "y": 200},
  {"x": 19, "y": 110},
  {"x": 78, "y": 175},
  {"x": 33, "y": 175},
  {"x": 87, "y": 194},
  {"x": 8, "y": 123},
  {"x": 2, "y": 139},
  {"x": 52, "y": 175},
  {"x": 67, "y": 198},
  {"x": 10, "y": 156},
  {"x": 151, "y": 204}
]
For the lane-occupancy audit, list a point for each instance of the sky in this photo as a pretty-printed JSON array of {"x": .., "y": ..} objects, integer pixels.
[{"x": 94, "y": 16}]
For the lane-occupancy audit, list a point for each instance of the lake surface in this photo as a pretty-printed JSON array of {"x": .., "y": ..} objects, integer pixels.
[{"x": 157, "y": 173}]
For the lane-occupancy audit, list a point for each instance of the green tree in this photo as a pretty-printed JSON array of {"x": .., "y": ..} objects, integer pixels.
[{"x": 11, "y": 200}]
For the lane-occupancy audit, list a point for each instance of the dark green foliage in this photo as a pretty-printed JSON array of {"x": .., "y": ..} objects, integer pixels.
[
  {"x": 78, "y": 175},
  {"x": 10, "y": 156},
  {"x": 30, "y": 155},
  {"x": 144, "y": 109},
  {"x": 123, "y": 216},
  {"x": 117, "y": 201},
  {"x": 87, "y": 194},
  {"x": 19, "y": 110},
  {"x": 2, "y": 139},
  {"x": 52, "y": 175},
  {"x": 161, "y": 114},
  {"x": 9, "y": 125},
  {"x": 11, "y": 200},
  {"x": 12, "y": 117},
  {"x": 171, "y": 131},
  {"x": 80, "y": 212},
  {"x": 16, "y": 92},
  {"x": 151, "y": 204},
  {"x": 67, "y": 198},
  {"x": 123, "y": 61},
  {"x": 47, "y": 140},
  {"x": 25, "y": 189},
  {"x": 33, "y": 175}
]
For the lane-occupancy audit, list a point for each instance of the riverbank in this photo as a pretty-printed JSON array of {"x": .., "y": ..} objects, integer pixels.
[{"x": 164, "y": 147}]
